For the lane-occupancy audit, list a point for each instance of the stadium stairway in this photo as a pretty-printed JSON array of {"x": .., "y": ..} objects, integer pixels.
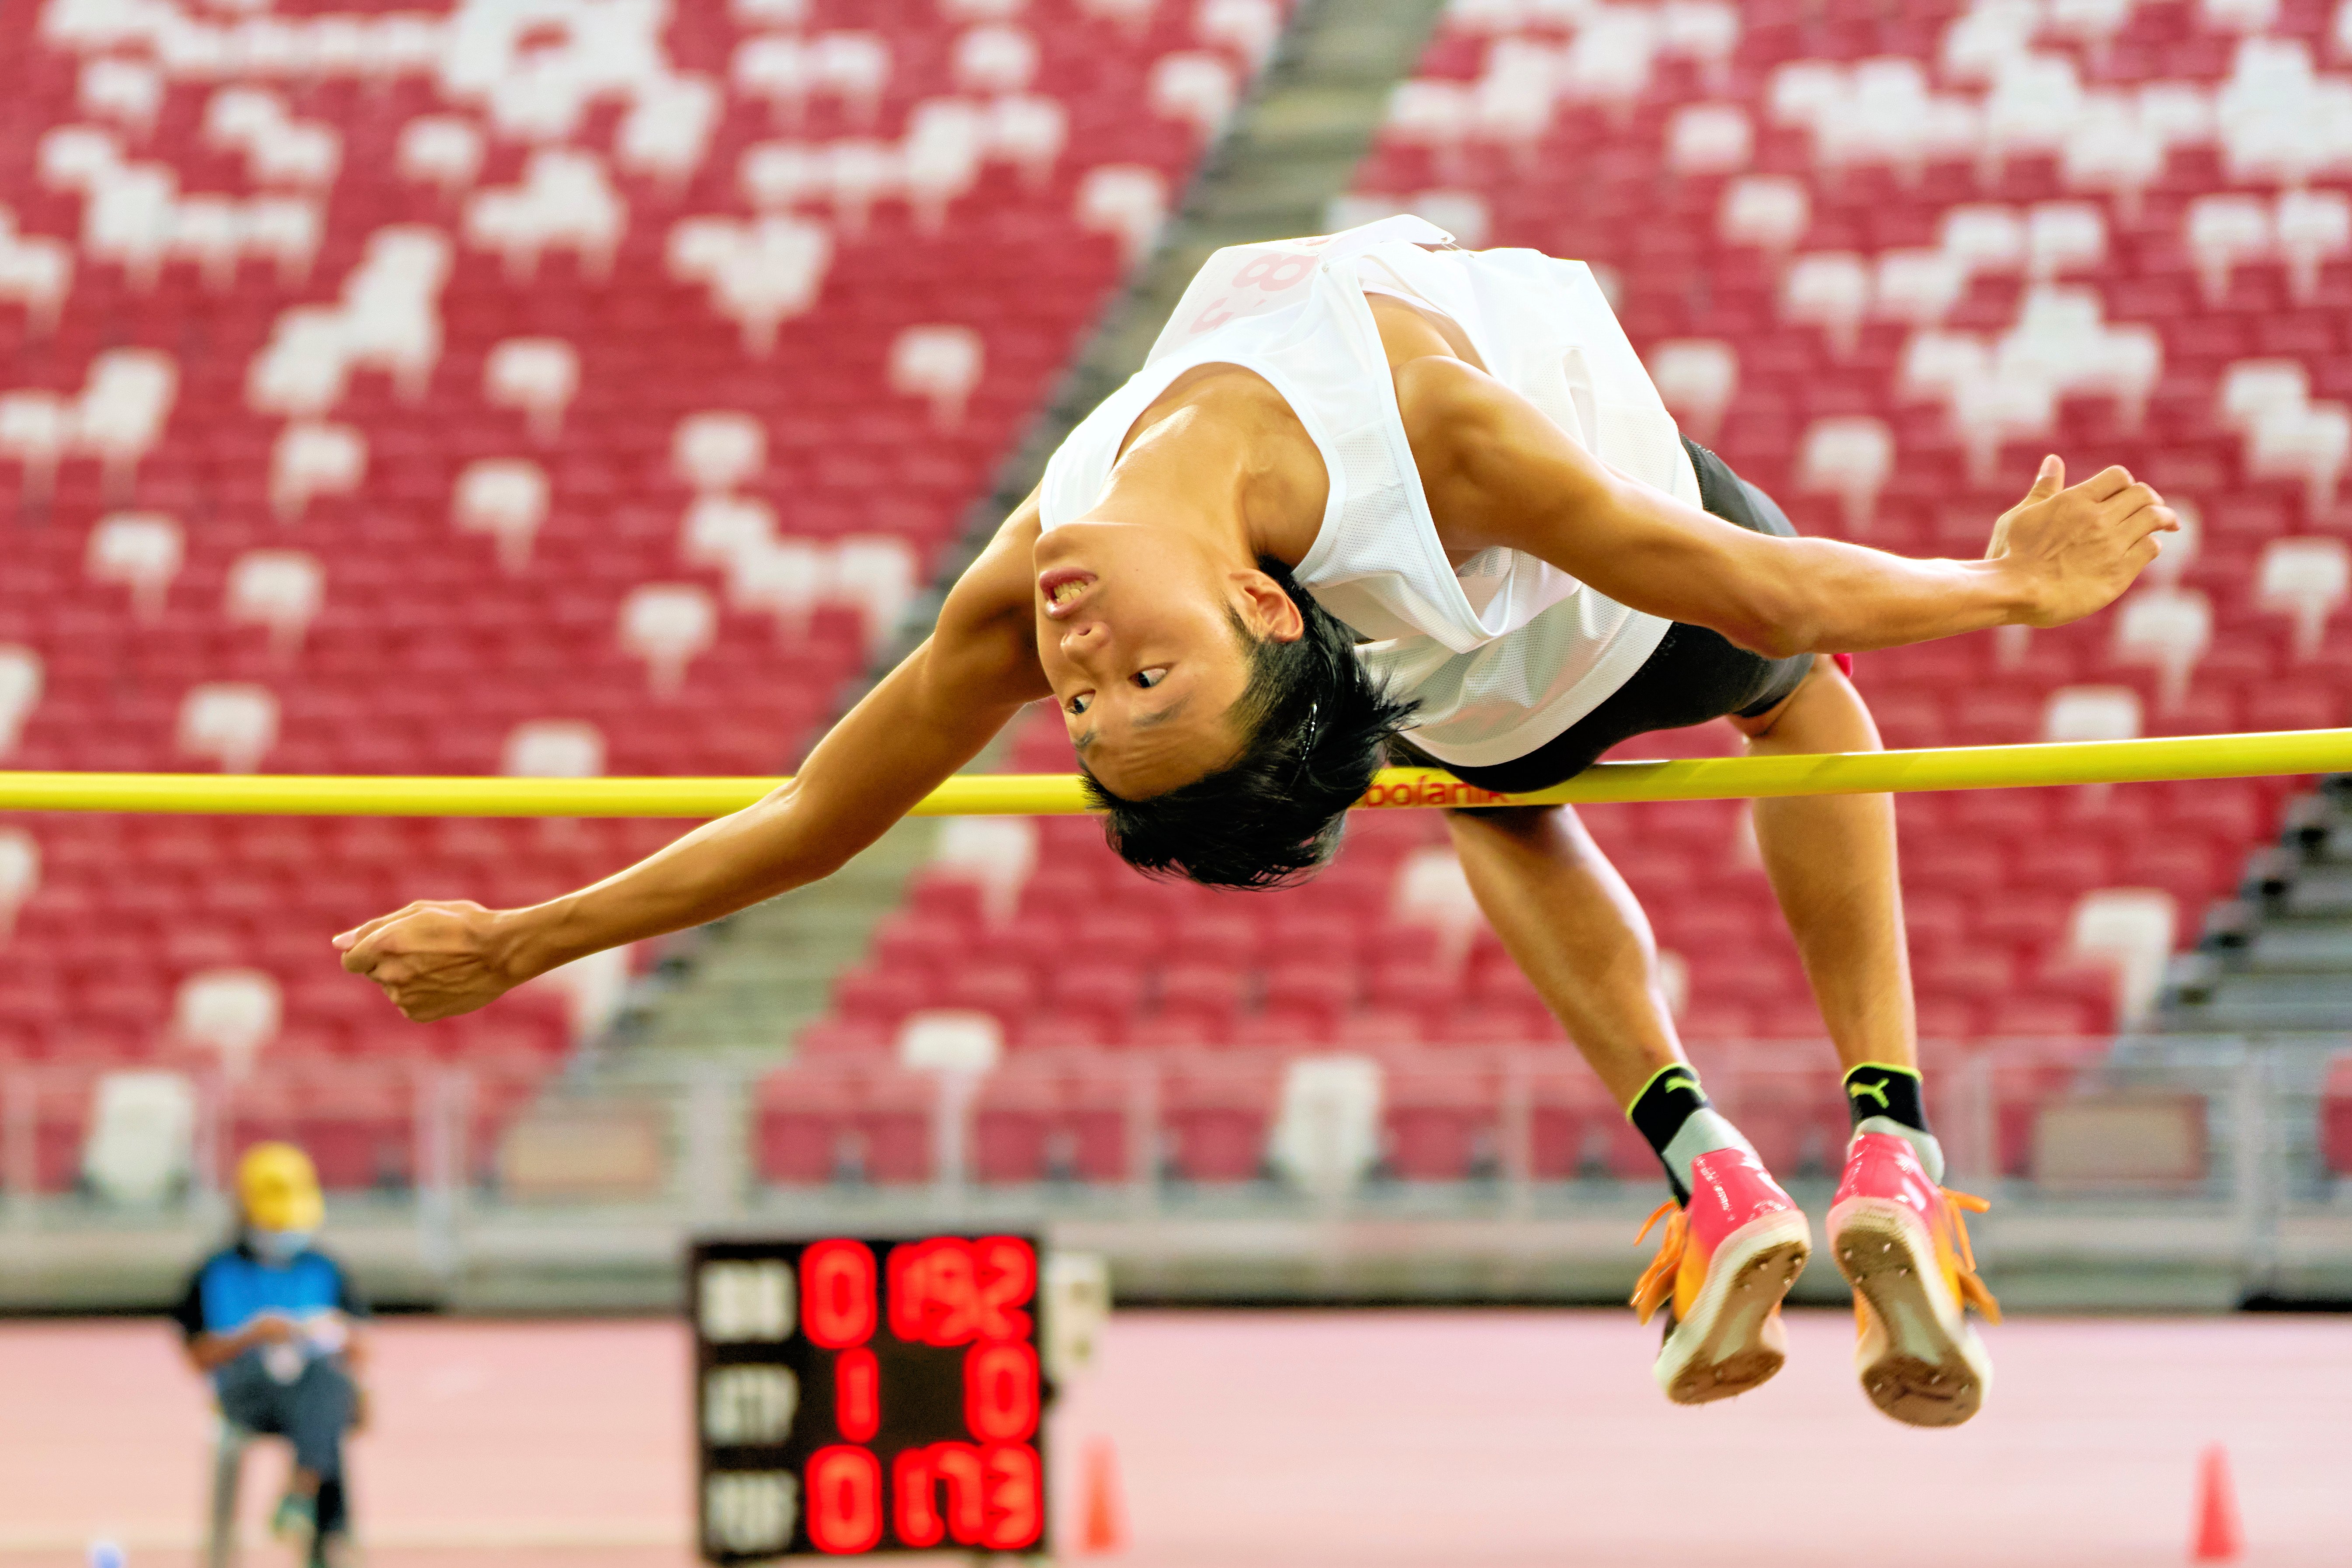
[{"x": 2280, "y": 957}]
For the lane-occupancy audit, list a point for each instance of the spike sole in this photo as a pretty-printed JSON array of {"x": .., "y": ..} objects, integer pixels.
[
  {"x": 1734, "y": 1340},
  {"x": 1919, "y": 1361}
]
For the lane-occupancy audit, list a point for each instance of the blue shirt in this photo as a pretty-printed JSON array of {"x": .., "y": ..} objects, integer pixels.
[{"x": 236, "y": 1284}]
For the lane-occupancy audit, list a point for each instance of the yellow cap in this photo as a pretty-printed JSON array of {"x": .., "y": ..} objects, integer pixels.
[{"x": 279, "y": 1188}]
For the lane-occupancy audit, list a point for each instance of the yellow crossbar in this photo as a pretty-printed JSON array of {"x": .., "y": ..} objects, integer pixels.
[{"x": 1045, "y": 794}]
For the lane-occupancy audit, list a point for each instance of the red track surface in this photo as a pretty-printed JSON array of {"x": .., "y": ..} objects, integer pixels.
[{"x": 1374, "y": 1440}]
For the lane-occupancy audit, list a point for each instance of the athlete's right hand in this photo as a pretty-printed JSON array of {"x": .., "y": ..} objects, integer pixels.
[
  {"x": 2075, "y": 550},
  {"x": 437, "y": 957}
]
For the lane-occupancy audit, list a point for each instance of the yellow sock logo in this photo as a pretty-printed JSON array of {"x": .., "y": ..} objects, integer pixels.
[
  {"x": 1676, "y": 1078},
  {"x": 1875, "y": 1090}
]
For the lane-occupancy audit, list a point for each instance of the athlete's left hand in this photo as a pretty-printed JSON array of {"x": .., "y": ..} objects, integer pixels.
[{"x": 2075, "y": 550}]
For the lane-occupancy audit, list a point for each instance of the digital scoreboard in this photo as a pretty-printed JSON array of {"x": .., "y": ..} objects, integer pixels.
[{"x": 856, "y": 1396}]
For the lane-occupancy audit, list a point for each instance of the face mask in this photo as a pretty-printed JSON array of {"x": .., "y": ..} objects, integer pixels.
[{"x": 279, "y": 1246}]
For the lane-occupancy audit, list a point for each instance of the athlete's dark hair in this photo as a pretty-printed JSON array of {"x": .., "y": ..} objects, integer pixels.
[{"x": 1316, "y": 722}]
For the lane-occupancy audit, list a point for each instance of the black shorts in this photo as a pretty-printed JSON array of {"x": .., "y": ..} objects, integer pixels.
[{"x": 1692, "y": 676}]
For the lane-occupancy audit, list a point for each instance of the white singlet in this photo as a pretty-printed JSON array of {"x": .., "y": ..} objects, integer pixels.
[{"x": 1505, "y": 651}]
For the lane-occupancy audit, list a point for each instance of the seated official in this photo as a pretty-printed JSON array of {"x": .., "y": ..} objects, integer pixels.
[{"x": 275, "y": 1324}]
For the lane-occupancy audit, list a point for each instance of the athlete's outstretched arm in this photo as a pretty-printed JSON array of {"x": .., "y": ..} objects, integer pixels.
[
  {"x": 925, "y": 719},
  {"x": 1499, "y": 472}
]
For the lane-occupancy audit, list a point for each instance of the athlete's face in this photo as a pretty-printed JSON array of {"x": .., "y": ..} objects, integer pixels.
[{"x": 1135, "y": 630}]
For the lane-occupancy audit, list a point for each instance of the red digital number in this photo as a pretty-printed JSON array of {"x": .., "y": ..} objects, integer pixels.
[
  {"x": 857, "y": 1395},
  {"x": 913, "y": 1490},
  {"x": 933, "y": 1296},
  {"x": 1005, "y": 1275},
  {"x": 837, "y": 1294},
  {"x": 992, "y": 1495},
  {"x": 1016, "y": 1515},
  {"x": 1000, "y": 1391},
  {"x": 845, "y": 1500},
  {"x": 920, "y": 1473}
]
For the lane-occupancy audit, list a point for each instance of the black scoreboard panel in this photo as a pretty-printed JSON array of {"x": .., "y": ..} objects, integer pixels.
[{"x": 856, "y": 1396}]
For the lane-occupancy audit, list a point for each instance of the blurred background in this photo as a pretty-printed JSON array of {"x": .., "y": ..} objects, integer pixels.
[{"x": 565, "y": 388}]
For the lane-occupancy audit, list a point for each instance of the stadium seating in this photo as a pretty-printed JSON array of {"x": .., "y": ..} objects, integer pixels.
[
  {"x": 1882, "y": 259},
  {"x": 537, "y": 389}
]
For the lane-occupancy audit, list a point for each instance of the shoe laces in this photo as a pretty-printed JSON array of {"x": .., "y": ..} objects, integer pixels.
[
  {"x": 1657, "y": 1285},
  {"x": 1973, "y": 1289}
]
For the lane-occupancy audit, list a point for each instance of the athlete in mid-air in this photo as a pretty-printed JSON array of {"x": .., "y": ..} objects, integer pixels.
[{"x": 1373, "y": 492}]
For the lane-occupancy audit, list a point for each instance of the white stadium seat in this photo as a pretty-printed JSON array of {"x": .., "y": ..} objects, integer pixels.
[
  {"x": 539, "y": 375},
  {"x": 668, "y": 625},
  {"x": 2307, "y": 579},
  {"x": 120, "y": 413},
  {"x": 313, "y": 458},
  {"x": 233, "y": 1012},
  {"x": 758, "y": 274},
  {"x": 2225, "y": 232},
  {"x": 129, "y": 92},
  {"x": 719, "y": 450},
  {"x": 1831, "y": 290},
  {"x": 2063, "y": 237},
  {"x": 506, "y": 498},
  {"x": 995, "y": 59},
  {"x": 141, "y": 1145},
  {"x": 1028, "y": 130},
  {"x": 996, "y": 852},
  {"x": 2092, "y": 713},
  {"x": 783, "y": 579},
  {"x": 565, "y": 202},
  {"x": 1709, "y": 139},
  {"x": 1247, "y": 27},
  {"x": 1195, "y": 87},
  {"x": 2169, "y": 628},
  {"x": 553, "y": 749},
  {"x": 666, "y": 132},
  {"x": 441, "y": 150},
  {"x": 139, "y": 550},
  {"x": 1127, "y": 201},
  {"x": 20, "y": 692},
  {"x": 20, "y": 870},
  {"x": 2309, "y": 229},
  {"x": 1983, "y": 238},
  {"x": 877, "y": 575},
  {"x": 280, "y": 589},
  {"x": 1851, "y": 456},
  {"x": 1695, "y": 378},
  {"x": 1431, "y": 891},
  {"x": 1770, "y": 212},
  {"x": 721, "y": 530},
  {"x": 230, "y": 723},
  {"x": 1919, "y": 286},
  {"x": 939, "y": 363},
  {"x": 2130, "y": 930},
  {"x": 949, "y": 1040},
  {"x": 36, "y": 272}
]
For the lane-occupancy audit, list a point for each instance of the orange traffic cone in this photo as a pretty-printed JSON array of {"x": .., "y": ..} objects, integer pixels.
[
  {"x": 1102, "y": 1521},
  {"x": 2215, "y": 1535}
]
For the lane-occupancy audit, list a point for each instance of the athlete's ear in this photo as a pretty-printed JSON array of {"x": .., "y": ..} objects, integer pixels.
[{"x": 1267, "y": 609}]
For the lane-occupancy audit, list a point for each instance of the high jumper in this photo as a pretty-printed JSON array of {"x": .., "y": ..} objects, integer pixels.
[{"x": 1372, "y": 494}]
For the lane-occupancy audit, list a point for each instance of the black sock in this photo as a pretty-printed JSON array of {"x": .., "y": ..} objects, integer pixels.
[
  {"x": 1875, "y": 1088},
  {"x": 1668, "y": 1100}
]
